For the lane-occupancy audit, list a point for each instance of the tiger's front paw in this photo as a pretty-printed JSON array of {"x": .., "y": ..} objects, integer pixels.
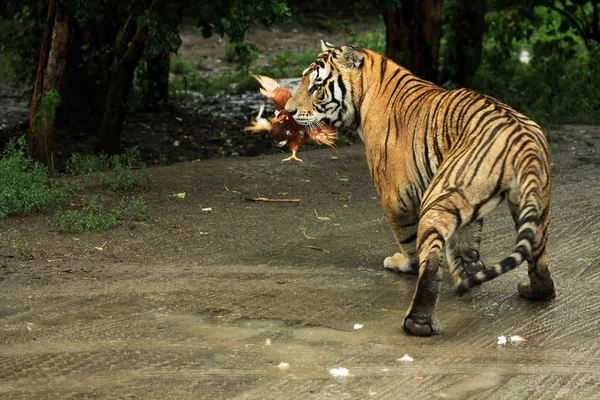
[{"x": 399, "y": 263}]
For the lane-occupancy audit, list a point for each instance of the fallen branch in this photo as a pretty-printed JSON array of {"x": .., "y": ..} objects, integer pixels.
[
  {"x": 268, "y": 200},
  {"x": 318, "y": 248}
]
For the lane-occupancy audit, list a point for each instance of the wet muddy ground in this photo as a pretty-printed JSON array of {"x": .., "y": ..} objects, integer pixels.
[{"x": 209, "y": 304}]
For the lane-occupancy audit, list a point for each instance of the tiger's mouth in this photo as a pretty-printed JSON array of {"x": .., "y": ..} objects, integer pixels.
[{"x": 306, "y": 119}]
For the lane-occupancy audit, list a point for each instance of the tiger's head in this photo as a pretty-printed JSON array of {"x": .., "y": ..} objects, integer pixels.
[{"x": 326, "y": 95}]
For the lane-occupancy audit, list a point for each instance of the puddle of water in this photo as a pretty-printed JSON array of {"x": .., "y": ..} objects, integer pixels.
[
  {"x": 309, "y": 351},
  {"x": 240, "y": 332},
  {"x": 374, "y": 350},
  {"x": 471, "y": 386},
  {"x": 229, "y": 334}
]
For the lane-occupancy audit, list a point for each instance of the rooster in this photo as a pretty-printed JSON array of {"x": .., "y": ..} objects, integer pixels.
[{"x": 283, "y": 127}]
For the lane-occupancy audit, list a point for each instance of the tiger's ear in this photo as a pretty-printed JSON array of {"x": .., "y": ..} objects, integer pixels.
[
  {"x": 352, "y": 57},
  {"x": 325, "y": 46}
]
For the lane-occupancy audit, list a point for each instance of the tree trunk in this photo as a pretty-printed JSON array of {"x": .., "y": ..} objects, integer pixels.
[
  {"x": 413, "y": 34},
  {"x": 127, "y": 56},
  {"x": 159, "y": 67},
  {"x": 158, "y": 82},
  {"x": 462, "y": 54},
  {"x": 88, "y": 73},
  {"x": 36, "y": 141}
]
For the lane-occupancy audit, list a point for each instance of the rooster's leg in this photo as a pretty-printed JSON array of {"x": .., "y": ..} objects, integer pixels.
[{"x": 292, "y": 158}]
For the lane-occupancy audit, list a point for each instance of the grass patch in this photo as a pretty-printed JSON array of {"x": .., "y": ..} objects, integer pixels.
[
  {"x": 88, "y": 164},
  {"x": 122, "y": 172},
  {"x": 180, "y": 66},
  {"x": 124, "y": 179},
  {"x": 93, "y": 216},
  {"x": 20, "y": 245},
  {"x": 25, "y": 185}
]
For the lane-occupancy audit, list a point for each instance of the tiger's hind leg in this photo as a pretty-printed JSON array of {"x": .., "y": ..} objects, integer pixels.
[
  {"x": 540, "y": 285},
  {"x": 462, "y": 251},
  {"x": 436, "y": 227}
]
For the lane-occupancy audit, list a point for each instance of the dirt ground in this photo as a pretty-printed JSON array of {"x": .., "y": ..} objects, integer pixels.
[{"x": 209, "y": 304}]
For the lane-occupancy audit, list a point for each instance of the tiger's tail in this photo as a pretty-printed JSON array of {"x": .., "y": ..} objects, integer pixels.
[{"x": 530, "y": 211}]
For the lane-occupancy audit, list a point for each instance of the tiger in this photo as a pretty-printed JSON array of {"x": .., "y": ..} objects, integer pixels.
[{"x": 441, "y": 160}]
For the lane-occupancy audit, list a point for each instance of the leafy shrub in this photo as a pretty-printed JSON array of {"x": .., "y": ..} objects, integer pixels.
[
  {"x": 125, "y": 179},
  {"x": 138, "y": 209},
  {"x": 25, "y": 185},
  {"x": 80, "y": 164}
]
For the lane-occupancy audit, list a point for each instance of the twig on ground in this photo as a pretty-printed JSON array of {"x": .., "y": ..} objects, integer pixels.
[
  {"x": 268, "y": 200},
  {"x": 318, "y": 248}
]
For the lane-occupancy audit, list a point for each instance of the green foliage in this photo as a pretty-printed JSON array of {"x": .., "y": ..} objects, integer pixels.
[
  {"x": 88, "y": 164},
  {"x": 138, "y": 209},
  {"x": 123, "y": 172},
  {"x": 93, "y": 216},
  {"x": 163, "y": 34},
  {"x": 124, "y": 179},
  {"x": 25, "y": 185},
  {"x": 577, "y": 17},
  {"x": 21, "y": 38},
  {"x": 243, "y": 53},
  {"x": 232, "y": 18},
  {"x": 80, "y": 165},
  {"x": 88, "y": 11},
  {"x": 48, "y": 104},
  {"x": 560, "y": 83},
  {"x": 180, "y": 66},
  {"x": 372, "y": 40}
]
